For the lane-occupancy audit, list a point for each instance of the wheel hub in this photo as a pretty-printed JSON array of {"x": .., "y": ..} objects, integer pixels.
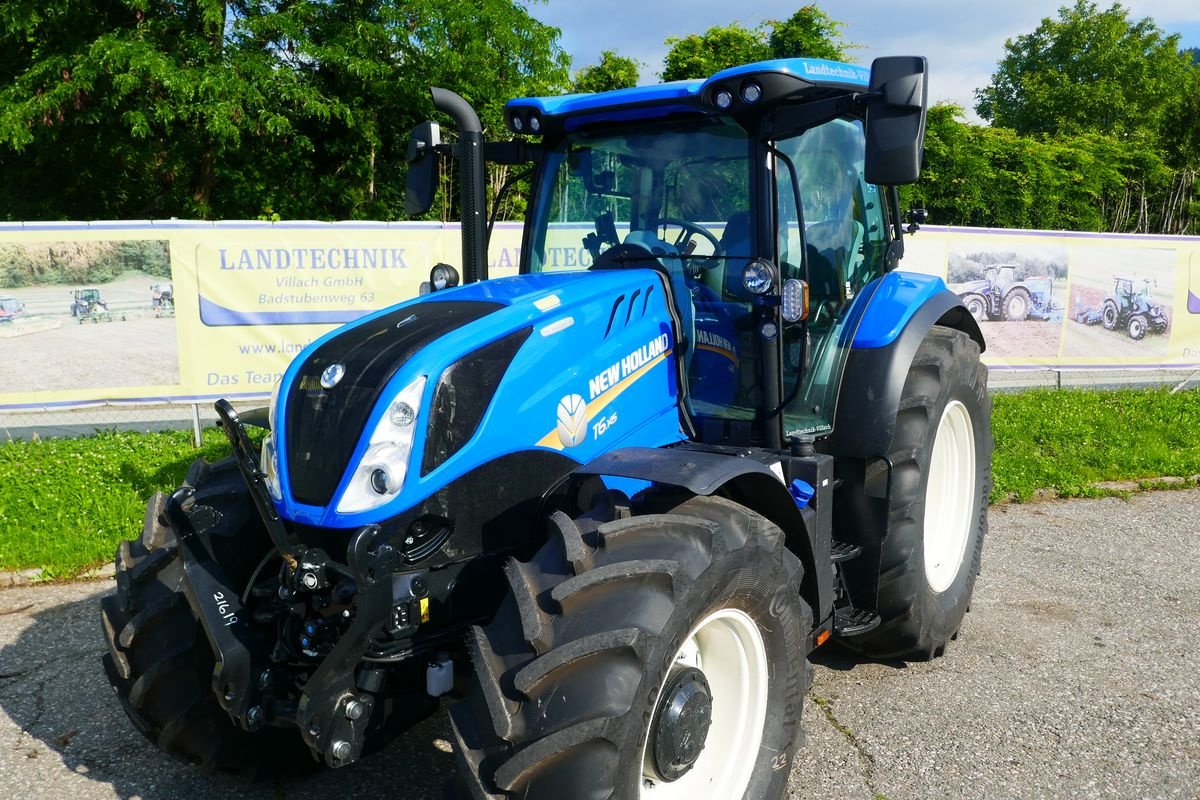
[{"x": 680, "y": 726}]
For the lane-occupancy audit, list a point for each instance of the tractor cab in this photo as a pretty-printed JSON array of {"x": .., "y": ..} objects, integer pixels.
[{"x": 758, "y": 195}]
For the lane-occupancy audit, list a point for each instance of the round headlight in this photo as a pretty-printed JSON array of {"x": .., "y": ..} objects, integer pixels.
[
  {"x": 402, "y": 414},
  {"x": 758, "y": 277},
  {"x": 723, "y": 99},
  {"x": 518, "y": 123},
  {"x": 768, "y": 330},
  {"x": 535, "y": 123},
  {"x": 443, "y": 276},
  {"x": 751, "y": 92},
  {"x": 381, "y": 480}
]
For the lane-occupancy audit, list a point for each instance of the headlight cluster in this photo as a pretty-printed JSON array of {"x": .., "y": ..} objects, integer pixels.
[
  {"x": 523, "y": 120},
  {"x": 381, "y": 471},
  {"x": 270, "y": 467},
  {"x": 749, "y": 92}
]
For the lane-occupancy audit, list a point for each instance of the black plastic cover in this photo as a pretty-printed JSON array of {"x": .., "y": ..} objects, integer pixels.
[
  {"x": 324, "y": 425},
  {"x": 463, "y": 394}
]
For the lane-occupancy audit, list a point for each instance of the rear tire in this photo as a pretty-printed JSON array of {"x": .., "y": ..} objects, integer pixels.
[
  {"x": 1017, "y": 305},
  {"x": 159, "y": 661},
  {"x": 937, "y": 518},
  {"x": 572, "y": 666}
]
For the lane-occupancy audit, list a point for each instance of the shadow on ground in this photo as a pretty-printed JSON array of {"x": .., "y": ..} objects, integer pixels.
[{"x": 64, "y": 713}]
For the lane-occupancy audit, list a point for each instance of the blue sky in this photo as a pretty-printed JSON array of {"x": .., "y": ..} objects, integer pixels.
[{"x": 963, "y": 40}]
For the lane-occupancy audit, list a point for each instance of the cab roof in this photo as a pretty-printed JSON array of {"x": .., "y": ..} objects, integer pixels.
[{"x": 775, "y": 80}]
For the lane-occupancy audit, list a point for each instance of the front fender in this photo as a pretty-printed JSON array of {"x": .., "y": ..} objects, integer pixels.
[{"x": 893, "y": 327}]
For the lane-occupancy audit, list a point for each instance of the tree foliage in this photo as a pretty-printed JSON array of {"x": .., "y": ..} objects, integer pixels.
[
  {"x": 720, "y": 47},
  {"x": 809, "y": 33},
  {"x": 995, "y": 177},
  {"x": 613, "y": 72},
  {"x": 1089, "y": 70},
  {"x": 40, "y": 263},
  {"x": 287, "y": 108}
]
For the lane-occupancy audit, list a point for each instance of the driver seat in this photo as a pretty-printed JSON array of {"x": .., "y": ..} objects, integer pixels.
[{"x": 726, "y": 277}]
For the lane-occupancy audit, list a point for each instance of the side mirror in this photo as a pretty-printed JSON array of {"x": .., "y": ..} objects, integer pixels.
[
  {"x": 895, "y": 123},
  {"x": 421, "y": 184}
]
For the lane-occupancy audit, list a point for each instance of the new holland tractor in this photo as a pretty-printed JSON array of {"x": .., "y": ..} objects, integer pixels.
[
  {"x": 1000, "y": 296},
  {"x": 608, "y": 506},
  {"x": 1128, "y": 306}
]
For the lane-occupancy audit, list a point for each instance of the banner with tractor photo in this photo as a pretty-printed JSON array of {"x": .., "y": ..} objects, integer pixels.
[{"x": 140, "y": 312}]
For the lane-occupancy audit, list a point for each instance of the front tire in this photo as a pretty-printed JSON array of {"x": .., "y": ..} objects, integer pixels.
[
  {"x": 976, "y": 306},
  {"x": 159, "y": 661},
  {"x": 593, "y": 676},
  {"x": 1137, "y": 327},
  {"x": 937, "y": 515},
  {"x": 1110, "y": 315}
]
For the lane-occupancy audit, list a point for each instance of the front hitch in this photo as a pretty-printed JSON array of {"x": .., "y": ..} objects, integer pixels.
[{"x": 235, "y": 643}]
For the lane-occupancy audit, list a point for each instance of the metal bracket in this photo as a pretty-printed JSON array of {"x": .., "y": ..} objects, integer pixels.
[{"x": 226, "y": 623}]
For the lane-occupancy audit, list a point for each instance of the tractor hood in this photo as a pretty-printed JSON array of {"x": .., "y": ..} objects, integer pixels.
[{"x": 380, "y": 414}]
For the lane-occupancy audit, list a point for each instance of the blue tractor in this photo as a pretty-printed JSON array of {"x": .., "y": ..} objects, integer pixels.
[
  {"x": 1128, "y": 306},
  {"x": 1000, "y": 296},
  {"x": 609, "y": 505}
]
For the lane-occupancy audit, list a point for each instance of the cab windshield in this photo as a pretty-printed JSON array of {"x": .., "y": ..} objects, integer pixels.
[
  {"x": 676, "y": 189},
  {"x": 677, "y": 194}
]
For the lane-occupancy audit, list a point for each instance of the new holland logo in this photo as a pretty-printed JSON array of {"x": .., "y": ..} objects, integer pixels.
[{"x": 572, "y": 420}]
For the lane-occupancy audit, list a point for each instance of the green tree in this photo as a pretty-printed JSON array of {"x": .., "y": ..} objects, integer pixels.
[
  {"x": 613, "y": 72},
  {"x": 809, "y": 33},
  {"x": 292, "y": 108},
  {"x": 995, "y": 177},
  {"x": 1088, "y": 70},
  {"x": 718, "y": 48}
]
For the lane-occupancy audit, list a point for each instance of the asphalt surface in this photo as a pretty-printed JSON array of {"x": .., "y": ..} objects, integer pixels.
[{"x": 1077, "y": 674}]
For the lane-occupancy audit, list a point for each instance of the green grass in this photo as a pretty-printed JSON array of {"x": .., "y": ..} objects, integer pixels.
[
  {"x": 1066, "y": 441},
  {"x": 66, "y": 503}
]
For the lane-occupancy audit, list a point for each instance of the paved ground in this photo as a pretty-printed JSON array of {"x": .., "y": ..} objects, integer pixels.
[{"x": 1075, "y": 676}]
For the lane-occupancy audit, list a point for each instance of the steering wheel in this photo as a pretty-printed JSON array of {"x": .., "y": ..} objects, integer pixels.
[
  {"x": 626, "y": 256},
  {"x": 688, "y": 230}
]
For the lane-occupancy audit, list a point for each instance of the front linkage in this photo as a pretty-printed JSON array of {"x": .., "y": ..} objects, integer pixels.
[{"x": 335, "y": 704}]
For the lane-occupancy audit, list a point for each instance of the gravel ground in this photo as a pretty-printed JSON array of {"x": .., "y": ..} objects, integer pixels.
[{"x": 1075, "y": 675}]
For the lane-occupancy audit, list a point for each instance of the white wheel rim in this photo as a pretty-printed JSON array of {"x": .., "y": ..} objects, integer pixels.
[
  {"x": 728, "y": 648},
  {"x": 949, "y": 496},
  {"x": 1018, "y": 306}
]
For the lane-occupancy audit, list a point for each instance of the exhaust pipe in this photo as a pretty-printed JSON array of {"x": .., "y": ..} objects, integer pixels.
[{"x": 473, "y": 199}]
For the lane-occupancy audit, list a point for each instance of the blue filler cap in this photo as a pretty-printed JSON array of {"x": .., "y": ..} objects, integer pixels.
[{"x": 801, "y": 492}]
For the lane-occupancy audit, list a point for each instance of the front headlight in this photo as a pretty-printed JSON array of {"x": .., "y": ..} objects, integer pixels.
[
  {"x": 270, "y": 466},
  {"x": 274, "y": 401},
  {"x": 380, "y": 473}
]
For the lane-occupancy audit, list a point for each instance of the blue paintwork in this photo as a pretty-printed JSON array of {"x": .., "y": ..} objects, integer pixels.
[
  {"x": 892, "y": 303},
  {"x": 638, "y": 95},
  {"x": 547, "y": 368},
  {"x": 683, "y": 94},
  {"x": 801, "y": 491},
  {"x": 817, "y": 71}
]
